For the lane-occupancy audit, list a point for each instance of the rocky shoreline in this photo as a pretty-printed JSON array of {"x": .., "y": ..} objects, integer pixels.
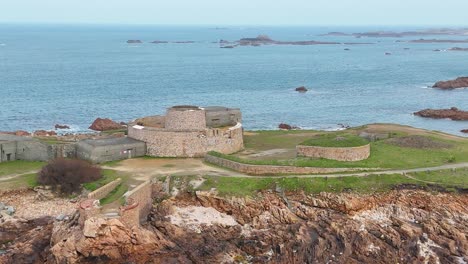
[
  {"x": 452, "y": 113},
  {"x": 400, "y": 226}
]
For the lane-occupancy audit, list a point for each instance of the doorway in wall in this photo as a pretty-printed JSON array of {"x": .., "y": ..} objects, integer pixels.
[
  {"x": 129, "y": 153},
  {"x": 8, "y": 157}
]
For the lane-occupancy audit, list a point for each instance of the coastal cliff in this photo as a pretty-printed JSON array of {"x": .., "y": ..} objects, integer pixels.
[{"x": 405, "y": 226}]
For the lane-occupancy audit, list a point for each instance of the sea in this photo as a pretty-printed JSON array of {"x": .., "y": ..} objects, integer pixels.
[{"x": 72, "y": 74}]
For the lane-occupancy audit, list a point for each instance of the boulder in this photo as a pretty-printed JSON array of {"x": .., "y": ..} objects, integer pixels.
[
  {"x": 284, "y": 126},
  {"x": 301, "y": 89},
  {"x": 452, "y": 113},
  {"x": 104, "y": 124},
  {"x": 460, "y": 82},
  {"x": 58, "y": 126}
]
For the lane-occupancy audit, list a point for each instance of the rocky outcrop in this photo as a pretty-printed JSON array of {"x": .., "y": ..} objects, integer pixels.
[
  {"x": 284, "y": 126},
  {"x": 404, "y": 226},
  {"x": 464, "y": 130},
  {"x": 301, "y": 89},
  {"x": 452, "y": 113},
  {"x": 134, "y": 41},
  {"x": 20, "y": 133},
  {"x": 438, "y": 41},
  {"x": 159, "y": 42},
  {"x": 266, "y": 40},
  {"x": 58, "y": 126},
  {"x": 458, "y": 49},
  {"x": 105, "y": 124},
  {"x": 460, "y": 82},
  {"x": 44, "y": 133}
]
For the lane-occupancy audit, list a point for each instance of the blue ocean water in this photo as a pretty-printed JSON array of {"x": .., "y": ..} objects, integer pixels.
[{"x": 71, "y": 74}]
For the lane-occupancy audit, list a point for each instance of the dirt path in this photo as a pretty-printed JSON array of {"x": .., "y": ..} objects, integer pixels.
[
  {"x": 13, "y": 176},
  {"x": 144, "y": 169}
]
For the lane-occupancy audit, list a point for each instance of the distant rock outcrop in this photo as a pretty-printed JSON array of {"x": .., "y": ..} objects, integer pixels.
[
  {"x": 44, "y": 133},
  {"x": 105, "y": 124},
  {"x": 452, "y": 113},
  {"x": 464, "y": 130},
  {"x": 134, "y": 41},
  {"x": 20, "y": 133},
  {"x": 460, "y": 82},
  {"x": 458, "y": 49},
  {"x": 58, "y": 126},
  {"x": 301, "y": 89},
  {"x": 284, "y": 126},
  {"x": 159, "y": 42}
]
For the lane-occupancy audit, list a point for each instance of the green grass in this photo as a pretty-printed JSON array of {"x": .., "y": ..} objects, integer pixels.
[
  {"x": 383, "y": 155},
  {"x": 115, "y": 194},
  {"x": 107, "y": 176},
  {"x": 241, "y": 186},
  {"x": 269, "y": 139},
  {"x": 458, "y": 177},
  {"x": 336, "y": 140},
  {"x": 19, "y": 166}
]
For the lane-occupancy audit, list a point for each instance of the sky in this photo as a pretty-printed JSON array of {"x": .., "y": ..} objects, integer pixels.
[{"x": 237, "y": 12}]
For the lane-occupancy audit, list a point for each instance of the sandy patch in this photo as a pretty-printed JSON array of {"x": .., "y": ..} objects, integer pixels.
[
  {"x": 144, "y": 169},
  {"x": 193, "y": 217}
]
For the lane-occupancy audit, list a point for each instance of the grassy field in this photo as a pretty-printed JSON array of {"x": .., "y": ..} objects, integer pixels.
[
  {"x": 385, "y": 153},
  {"x": 19, "y": 167},
  {"x": 242, "y": 186},
  {"x": 336, "y": 140}
]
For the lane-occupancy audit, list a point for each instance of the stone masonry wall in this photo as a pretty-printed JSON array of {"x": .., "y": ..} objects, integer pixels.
[
  {"x": 341, "y": 154},
  {"x": 177, "y": 119},
  {"x": 180, "y": 143},
  {"x": 271, "y": 169},
  {"x": 139, "y": 202},
  {"x": 102, "y": 192}
]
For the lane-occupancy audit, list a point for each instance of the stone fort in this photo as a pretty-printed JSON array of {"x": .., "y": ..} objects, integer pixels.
[{"x": 190, "y": 131}]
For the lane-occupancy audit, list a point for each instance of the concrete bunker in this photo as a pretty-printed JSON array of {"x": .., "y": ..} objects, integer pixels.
[{"x": 110, "y": 149}]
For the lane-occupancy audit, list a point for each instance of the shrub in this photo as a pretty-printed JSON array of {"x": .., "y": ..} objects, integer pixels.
[{"x": 67, "y": 175}]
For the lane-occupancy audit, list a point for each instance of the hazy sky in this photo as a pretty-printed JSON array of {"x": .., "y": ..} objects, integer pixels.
[{"x": 238, "y": 12}]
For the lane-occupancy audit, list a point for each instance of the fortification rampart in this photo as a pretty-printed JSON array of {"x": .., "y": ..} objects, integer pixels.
[
  {"x": 162, "y": 142},
  {"x": 103, "y": 191},
  {"x": 271, "y": 169},
  {"x": 333, "y": 153}
]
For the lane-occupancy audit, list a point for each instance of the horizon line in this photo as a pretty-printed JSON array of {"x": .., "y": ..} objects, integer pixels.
[{"x": 221, "y": 25}]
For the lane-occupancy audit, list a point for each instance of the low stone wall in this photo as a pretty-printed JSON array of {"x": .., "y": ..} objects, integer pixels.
[
  {"x": 333, "y": 153},
  {"x": 102, "y": 192},
  {"x": 139, "y": 202},
  {"x": 271, "y": 169}
]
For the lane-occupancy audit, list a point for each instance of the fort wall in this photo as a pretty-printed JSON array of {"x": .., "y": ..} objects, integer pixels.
[
  {"x": 188, "y": 143},
  {"x": 341, "y": 154},
  {"x": 271, "y": 169},
  {"x": 185, "y": 119}
]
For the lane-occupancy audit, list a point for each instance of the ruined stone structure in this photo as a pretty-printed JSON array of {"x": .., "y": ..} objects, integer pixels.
[
  {"x": 190, "y": 131},
  {"x": 341, "y": 154},
  {"x": 138, "y": 204}
]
